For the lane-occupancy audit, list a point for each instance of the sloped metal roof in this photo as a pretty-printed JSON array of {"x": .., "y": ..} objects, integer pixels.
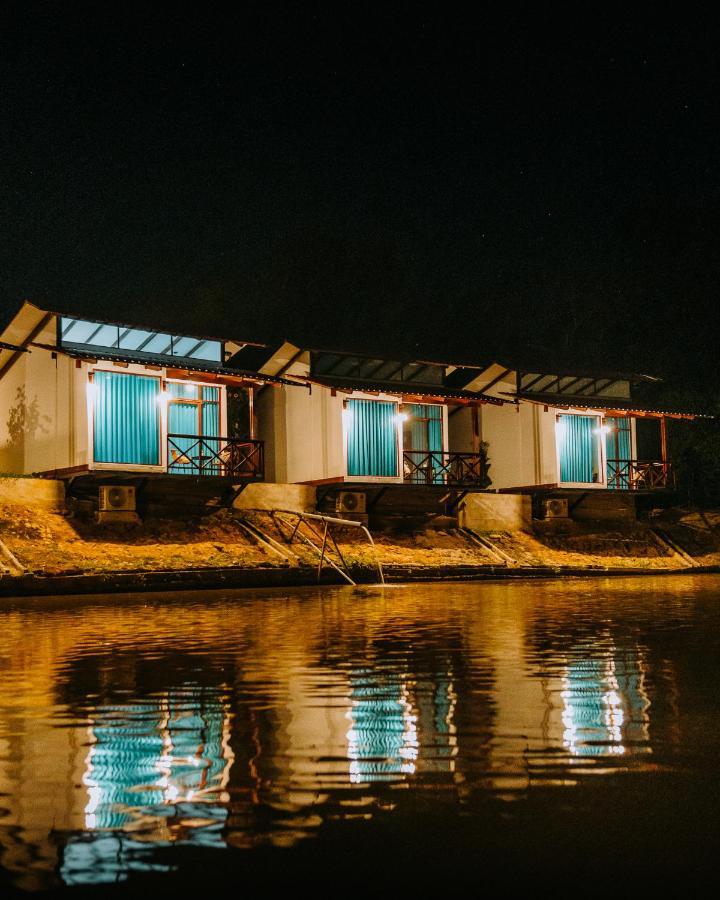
[
  {"x": 560, "y": 401},
  {"x": 176, "y": 363},
  {"x": 402, "y": 389}
]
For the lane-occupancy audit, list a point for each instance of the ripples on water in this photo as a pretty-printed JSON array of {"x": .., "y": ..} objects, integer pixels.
[{"x": 134, "y": 731}]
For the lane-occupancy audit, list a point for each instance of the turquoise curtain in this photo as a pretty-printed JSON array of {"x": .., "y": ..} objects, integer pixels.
[
  {"x": 426, "y": 436},
  {"x": 198, "y": 419},
  {"x": 211, "y": 421},
  {"x": 182, "y": 419},
  {"x": 126, "y": 421},
  {"x": 578, "y": 440},
  {"x": 372, "y": 448},
  {"x": 618, "y": 445}
]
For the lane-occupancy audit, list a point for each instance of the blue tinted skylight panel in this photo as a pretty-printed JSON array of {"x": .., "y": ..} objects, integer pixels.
[
  {"x": 134, "y": 338},
  {"x": 77, "y": 331},
  {"x": 137, "y": 340},
  {"x": 195, "y": 348},
  {"x": 183, "y": 345},
  {"x": 104, "y": 336},
  {"x": 209, "y": 350}
]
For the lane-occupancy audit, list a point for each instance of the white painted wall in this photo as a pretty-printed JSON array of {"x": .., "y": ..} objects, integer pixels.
[
  {"x": 303, "y": 433},
  {"x": 39, "y": 428},
  {"x": 521, "y": 445}
]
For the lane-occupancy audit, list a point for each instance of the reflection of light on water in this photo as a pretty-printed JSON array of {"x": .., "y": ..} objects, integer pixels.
[
  {"x": 383, "y": 742},
  {"x": 147, "y": 769},
  {"x": 604, "y": 710}
]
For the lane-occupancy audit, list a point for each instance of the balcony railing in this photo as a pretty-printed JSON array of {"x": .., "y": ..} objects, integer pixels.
[
  {"x": 192, "y": 454},
  {"x": 639, "y": 475},
  {"x": 437, "y": 467}
]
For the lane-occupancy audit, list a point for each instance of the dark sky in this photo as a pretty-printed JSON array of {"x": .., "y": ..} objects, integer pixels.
[{"x": 339, "y": 177}]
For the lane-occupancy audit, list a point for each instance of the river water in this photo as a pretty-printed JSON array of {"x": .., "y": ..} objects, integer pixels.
[{"x": 559, "y": 727}]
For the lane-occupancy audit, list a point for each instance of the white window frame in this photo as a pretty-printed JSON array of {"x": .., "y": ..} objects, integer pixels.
[{"x": 602, "y": 457}]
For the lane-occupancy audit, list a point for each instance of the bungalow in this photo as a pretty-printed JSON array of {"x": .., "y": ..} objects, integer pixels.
[
  {"x": 365, "y": 420},
  {"x": 85, "y": 397},
  {"x": 571, "y": 430},
  {"x": 370, "y": 420}
]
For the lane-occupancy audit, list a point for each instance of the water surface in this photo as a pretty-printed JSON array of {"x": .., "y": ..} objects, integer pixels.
[{"x": 465, "y": 729}]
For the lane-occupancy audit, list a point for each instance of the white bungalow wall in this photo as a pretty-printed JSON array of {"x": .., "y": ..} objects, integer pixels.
[
  {"x": 42, "y": 425},
  {"x": 521, "y": 445},
  {"x": 302, "y": 431}
]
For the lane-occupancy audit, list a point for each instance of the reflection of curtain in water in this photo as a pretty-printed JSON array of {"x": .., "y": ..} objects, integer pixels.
[
  {"x": 151, "y": 754},
  {"x": 169, "y": 757},
  {"x": 435, "y": 700},
  {"x": 382, "y": 740},
  {"x": 605, "y": 706}
]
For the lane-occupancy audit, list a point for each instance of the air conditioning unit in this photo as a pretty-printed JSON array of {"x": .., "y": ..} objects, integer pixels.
[
  {"x": 117, "y": 498},
  {"x": 351, "y": 502},
  {"x": 555, "y": 508}
]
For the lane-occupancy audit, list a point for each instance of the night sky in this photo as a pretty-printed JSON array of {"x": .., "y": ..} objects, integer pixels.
[{"x": 442, "y": 186}]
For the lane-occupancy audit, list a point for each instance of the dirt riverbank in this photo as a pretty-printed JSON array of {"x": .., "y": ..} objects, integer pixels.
[{"x": 50, "y": 545}]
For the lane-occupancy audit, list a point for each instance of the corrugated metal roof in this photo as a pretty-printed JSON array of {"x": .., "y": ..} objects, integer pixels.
[
  {"x": 176, "y": 363},
  {"x": 604, "y": 403},
  {"x": 402, "y": 389}
]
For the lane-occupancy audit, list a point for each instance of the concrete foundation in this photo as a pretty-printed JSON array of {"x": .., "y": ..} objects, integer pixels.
[
  {"x": 44, "y": 493},
  {"x": 496, "y": 512},
  {"x": 603, "y": 506},
  {"x": 265, "y": 496}
]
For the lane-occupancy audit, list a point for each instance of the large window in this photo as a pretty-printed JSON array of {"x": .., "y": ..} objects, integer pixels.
[
  {"x": 83, "y": 334},
  {"x": 423, "y": 442},
  {"x": 126, "y": 419},
  {"x": 579, "y": 449},
  {"x": 193, "y": 413},
  {"x": 372, "y": 440}
]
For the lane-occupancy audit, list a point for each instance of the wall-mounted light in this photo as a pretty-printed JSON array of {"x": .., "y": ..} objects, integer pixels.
[{"x": 402, "y": 417}]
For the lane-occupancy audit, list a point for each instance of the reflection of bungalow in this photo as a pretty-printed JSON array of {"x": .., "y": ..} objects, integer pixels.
[
  {"x": 370, "y": 420},
  {"x": 570, "y": 431},
  {"x": 94, "y": 397}
]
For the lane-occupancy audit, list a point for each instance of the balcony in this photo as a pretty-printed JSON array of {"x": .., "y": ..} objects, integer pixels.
[
  {"x": 438, "y": 467},
  {"x": 639, "y": 475},
  {"x": 192, "y": 454}
]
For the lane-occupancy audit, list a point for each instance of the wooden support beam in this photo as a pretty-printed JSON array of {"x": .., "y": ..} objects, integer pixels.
[
  {"x": 31, "y": 337},
  {"x": 663, "y": 439}
]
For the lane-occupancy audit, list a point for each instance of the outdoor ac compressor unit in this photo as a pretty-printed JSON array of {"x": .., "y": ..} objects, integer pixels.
[
  {"x": 350, "y": 502},
  {"x": 555, "y": 508},
  {"x": 117, "y": 498}
]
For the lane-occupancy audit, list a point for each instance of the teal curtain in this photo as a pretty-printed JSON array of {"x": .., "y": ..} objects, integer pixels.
[
  {"x": 618, "y": 445},
  {"x": 126, "y": 421},
  {"x": 372, "y": 448},
  {"x": 182, "y": 419},
  {"x": 211, "y": 421},
  {"x": 578, "y": 440},
  {"x": 425, "y": 429},
  {"x": 199, "y": 418}
]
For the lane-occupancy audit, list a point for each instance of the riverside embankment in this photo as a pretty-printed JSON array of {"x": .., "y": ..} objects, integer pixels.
[{"x": 46, "y": 551}]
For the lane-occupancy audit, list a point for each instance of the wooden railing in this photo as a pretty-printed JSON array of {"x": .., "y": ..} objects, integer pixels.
[
  {"x": 192, "y": 454},
  {"x": 639, "y": 475},
  {"x": 437, "y": 467}
]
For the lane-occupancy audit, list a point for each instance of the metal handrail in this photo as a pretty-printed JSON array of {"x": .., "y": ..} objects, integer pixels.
[{"x": 302, "y": 518}]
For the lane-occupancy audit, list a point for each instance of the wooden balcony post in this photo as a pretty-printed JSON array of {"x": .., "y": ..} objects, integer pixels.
[
  {"x": 475, "y": 429},
  {"x": 663, "y": 439}
]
